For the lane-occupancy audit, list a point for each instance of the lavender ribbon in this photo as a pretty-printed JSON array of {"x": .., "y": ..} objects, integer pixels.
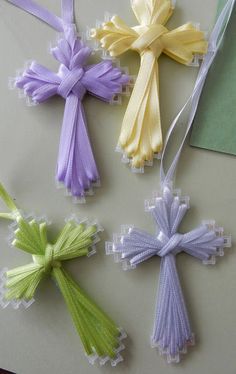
[
  {"x": 76, "y": 167},
  {"x": 172, "y": 332}
]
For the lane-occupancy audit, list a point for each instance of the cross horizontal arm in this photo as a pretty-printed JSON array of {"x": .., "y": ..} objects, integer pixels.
[
  {"x": 75, "y": 240},
  {"x": 23, "y": 281},
  {"x": 204, "y": 243},
  {"x": 38, "y": 83},
  {"x": 136, "y": 247},
  {"x": 183, "y": 43},
  {"x": 115, "y": 36},
  {"x": 104, "y": 81}
]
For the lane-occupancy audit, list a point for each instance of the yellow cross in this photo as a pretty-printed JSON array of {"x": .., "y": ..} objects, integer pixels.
[{"x": 141, "y": 135}]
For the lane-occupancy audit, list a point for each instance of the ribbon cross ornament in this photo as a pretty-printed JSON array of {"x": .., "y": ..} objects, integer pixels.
[
  {"x": 172, "y": 332},
  {"x": 76, "y": 167},
  {"x": 141, "y": 135},
  {"x": 100, "y": 336}
]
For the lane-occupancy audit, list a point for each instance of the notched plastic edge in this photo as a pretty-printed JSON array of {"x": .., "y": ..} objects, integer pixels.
[
  {"x": 15, "y": 304},
  {"x": 113, "y": 361},
  {"x": 150, "y": 204},
  {"x": 125, "y": 159},
  {"x": 172, "y": 359},
  {"x": 28, "y": 217},
  {"x": 227, "y": 241},
  {"x": 78, "y": 199},
  {"x": 110, "y": 247}
]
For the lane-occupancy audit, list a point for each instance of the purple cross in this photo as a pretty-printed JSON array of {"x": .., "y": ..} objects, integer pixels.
[
  {"x": 76, "y": 167},
  {"x": 172, "y": 333}
]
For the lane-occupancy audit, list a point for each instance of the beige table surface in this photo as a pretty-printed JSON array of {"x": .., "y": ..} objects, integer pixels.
[{"x": 42, "y": 339}]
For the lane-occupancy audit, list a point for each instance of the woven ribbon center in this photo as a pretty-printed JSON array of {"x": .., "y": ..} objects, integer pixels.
[
  {"x": 149, "y": 38},
  {"x": 71, "y": 82},
  {"x": 171, "y": 245},
  {"x": 47, "y": 261}
]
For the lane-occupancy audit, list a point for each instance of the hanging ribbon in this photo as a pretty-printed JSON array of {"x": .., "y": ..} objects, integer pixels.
[
  {"x": 100, "y": 336},
  {"x": 76, "y": 167},
  {"x": 141, "y": 135},
  {"x": 172, "y": 332},
  {"x": 214, "y": 43}
]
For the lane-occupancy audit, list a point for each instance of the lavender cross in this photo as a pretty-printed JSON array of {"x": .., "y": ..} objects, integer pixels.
[
  {"x": 172, "y": 332},
  {"x": 76, "y": 167}
]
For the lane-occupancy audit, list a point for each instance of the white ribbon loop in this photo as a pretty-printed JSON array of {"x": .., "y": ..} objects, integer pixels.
[{"x": 215, "y": 41}]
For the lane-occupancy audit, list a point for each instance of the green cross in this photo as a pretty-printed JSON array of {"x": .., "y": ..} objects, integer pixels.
[{"x": 100, "y": 336}]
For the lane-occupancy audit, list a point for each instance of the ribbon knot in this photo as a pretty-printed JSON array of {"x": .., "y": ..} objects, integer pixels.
[
  {"x": 71, "y": 82},
  {"x": 171, "y": 245},
  {"x": 47, "y": 260},
  {"x": 149, "y": 39}
]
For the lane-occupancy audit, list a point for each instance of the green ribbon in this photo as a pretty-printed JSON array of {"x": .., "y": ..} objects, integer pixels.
[{"x": 100, "y": 336}]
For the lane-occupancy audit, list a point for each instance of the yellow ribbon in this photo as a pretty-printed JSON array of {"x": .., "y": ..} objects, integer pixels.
[{"x": 141, "y": 135}]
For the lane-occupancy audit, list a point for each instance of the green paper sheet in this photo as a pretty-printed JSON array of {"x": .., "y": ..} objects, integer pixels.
[{"x": 215, "y": 123}]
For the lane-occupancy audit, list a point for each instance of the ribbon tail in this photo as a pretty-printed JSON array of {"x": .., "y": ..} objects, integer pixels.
[
  {"x": 100, "y": 336},
  {"x": 76, "y": 168},
  {"x": 141, "y": 134},
  {"x": 172, "y": 332}
]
